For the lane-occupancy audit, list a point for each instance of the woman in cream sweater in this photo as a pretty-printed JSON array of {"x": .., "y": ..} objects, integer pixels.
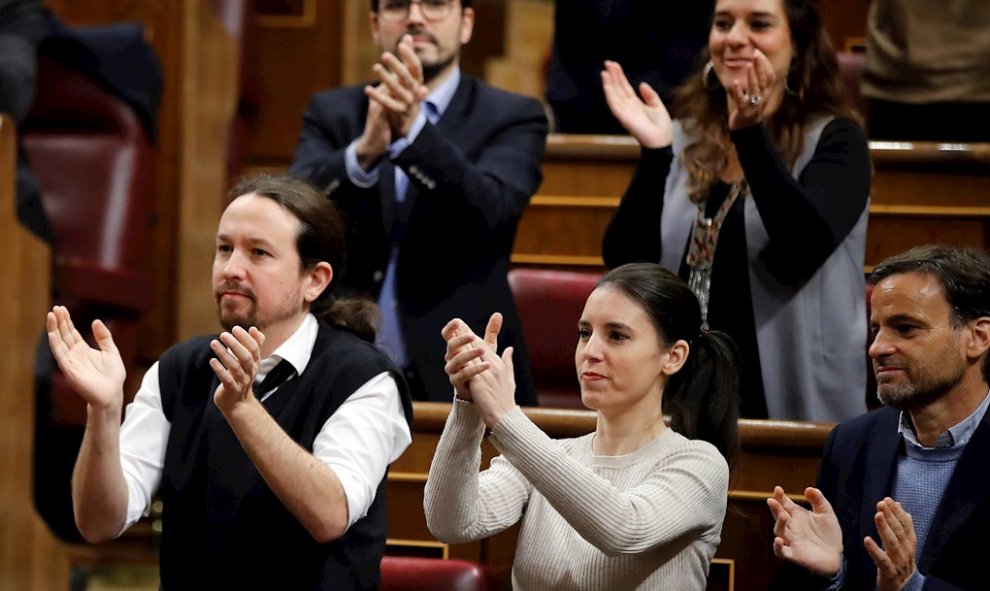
[{"x": 637, "y": 504}]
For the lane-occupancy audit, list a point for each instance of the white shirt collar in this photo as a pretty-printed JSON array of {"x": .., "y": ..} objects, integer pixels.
[{"x": 297, "y": 349}]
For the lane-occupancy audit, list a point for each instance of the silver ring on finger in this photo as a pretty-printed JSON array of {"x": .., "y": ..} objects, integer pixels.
[{"x": 755, "y": 99}]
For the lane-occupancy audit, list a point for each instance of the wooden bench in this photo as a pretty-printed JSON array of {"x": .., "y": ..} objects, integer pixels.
[
  {"x": 773, "y": 452},
  {"x": 922, "y": 192}
]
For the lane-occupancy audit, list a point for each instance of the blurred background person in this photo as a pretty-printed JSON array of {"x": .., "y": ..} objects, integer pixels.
[
  {"x": 635, "y": 504},
  {"x": 757, "y": 195},
  {"x": 23, "y": 26},
  {"x": 659, "y": 43},
  {"x": 927, "y": 73},
  {"x": 424, "y": 159}
]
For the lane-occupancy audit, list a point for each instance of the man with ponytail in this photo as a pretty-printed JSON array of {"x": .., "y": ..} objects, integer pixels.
[
  {"x": 638, "y": 504},
  {"x": 273, "y": 483}
]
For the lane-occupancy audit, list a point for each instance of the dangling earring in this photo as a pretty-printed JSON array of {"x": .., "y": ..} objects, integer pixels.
[{"x": 708, "y": 76}]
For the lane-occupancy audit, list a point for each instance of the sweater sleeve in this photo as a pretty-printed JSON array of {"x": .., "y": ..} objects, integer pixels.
[
  {"x": 461, "y": 504},
  {"x": 806, "y": 218},
  {"x": 686, "y": 492},
  {"x": 633, "y": 234}
]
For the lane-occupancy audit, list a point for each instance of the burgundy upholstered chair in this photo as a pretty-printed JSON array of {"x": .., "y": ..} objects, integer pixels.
[
  {"x": 401, "y": 573},
  {"x": 93, "y": 160},
  {"x": 550, "y": 303}
]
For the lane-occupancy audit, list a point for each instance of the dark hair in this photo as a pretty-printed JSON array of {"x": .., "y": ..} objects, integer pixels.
[
  {"x": 816, "y": 89},
  {"x": 702, "y": 399},
  {"x": 322, "y": 237},
  {"x": 964, "y": 274},
  {"x": 374, "y": 5}
]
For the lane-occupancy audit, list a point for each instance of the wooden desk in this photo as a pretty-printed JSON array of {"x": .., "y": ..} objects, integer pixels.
[
  {"x": 922, "y": 192},
  {"x": 773, "y": 452},
  {"x": 31, "y": 559}
]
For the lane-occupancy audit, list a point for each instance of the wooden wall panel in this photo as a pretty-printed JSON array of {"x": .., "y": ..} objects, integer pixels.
[
  {"x": 921, "y": 193},
  {"x": 845, "y": 21},
  {"x": 31, "y": 559},
  {"x": 288, "y": 59}
]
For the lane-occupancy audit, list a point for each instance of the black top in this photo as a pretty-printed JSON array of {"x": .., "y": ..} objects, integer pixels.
[
  {"x": 223, "y": 527},
  {"x": 806, "y": 218}
]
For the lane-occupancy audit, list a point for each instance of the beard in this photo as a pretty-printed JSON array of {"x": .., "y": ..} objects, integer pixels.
[
  {"x": 924, "y": 388},
  {"x": 432, "y": 70},
  {"x": 231, "y": 315},
  {"x": 229, "y": 319},
  {"x": 228, "y": 315}
]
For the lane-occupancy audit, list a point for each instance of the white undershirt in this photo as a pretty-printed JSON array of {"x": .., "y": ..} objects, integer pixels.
[{"x": 358, "y": 442}]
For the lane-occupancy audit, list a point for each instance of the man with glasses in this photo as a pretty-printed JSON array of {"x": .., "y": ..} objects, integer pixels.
[{"x": 434, "y": 169}]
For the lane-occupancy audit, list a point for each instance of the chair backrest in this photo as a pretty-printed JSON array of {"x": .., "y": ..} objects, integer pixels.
[
  {"x": 550, "y": 303},
  {"x": 93, "y": 160},
  {"x": 402, "y": 573}
]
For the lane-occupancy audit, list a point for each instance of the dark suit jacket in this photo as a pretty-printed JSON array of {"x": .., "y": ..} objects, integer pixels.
[
  {"x": 857, "y": 471},
  {"x": 470, "y": 177}
]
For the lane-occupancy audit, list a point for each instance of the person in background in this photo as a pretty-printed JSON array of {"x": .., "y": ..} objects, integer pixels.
[
  {"x": 23, "y": 26},
  {"x": 903, "y": 493},
  {"x": 757, "y": 194},
  {"x": 636, "y": 504},
  {"x": 659, "y": 43},
  {"x": 433, "y": 169},
  {"x": 270, "y": 441},
  {"x": 927, "y": 76}
]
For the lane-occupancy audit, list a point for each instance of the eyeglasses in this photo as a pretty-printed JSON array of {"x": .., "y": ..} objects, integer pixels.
[{"x": 397, "y": 11}]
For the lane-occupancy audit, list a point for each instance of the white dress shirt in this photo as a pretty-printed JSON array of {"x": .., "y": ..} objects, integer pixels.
[{"x": 358, "y": 442}]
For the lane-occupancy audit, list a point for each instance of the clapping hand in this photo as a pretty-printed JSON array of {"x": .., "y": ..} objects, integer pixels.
[
  {"x": 748, "y": 99},
  {"x": 238, "y": 354},
  {"x": 644, "y": 116},
  {"x": 401, "y": 88},
  {"x": 811, "y": 539},
  {"x": 463, "y": 352},
  {"x": 477, "y": 372},
  {"x": 96, "y": 374},
  {"x": 895, "y": 561}
]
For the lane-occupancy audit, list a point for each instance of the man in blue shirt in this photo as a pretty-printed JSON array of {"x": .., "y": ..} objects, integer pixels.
[
  {"x": 433, "y": 169},
  {"x": 903, "y": 497}
]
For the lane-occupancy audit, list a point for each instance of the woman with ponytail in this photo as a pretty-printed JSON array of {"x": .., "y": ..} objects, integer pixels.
[{"x": 638, "y": 503}]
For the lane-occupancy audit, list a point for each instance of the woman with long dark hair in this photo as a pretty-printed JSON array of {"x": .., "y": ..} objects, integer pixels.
[
  {"x": 638, "y": 504},
  {"x": 757, "y": 196}
]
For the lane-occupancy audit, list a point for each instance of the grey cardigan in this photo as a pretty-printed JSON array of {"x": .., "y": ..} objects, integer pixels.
[{"x": 811, "y": 339}]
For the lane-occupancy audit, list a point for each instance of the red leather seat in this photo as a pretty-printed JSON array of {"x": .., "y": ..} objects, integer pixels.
[
  {"x": 402, "y": 573},
  {"x": 93, "y": 160},
  {"x": 550, "y": 303}
]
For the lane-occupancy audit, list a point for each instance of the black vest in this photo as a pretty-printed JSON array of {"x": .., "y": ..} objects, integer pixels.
[{"x": 222, "y": 526}]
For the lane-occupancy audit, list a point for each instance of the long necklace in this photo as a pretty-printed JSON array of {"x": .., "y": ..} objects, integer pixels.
[{"x": 701, "y": 252}]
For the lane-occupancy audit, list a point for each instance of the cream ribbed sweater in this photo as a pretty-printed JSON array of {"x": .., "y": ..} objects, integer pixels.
[{"x": 651, "y": 519}]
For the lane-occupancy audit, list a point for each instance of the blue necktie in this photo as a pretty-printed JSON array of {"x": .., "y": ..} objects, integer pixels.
[{"x": 389, "y": 335}]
